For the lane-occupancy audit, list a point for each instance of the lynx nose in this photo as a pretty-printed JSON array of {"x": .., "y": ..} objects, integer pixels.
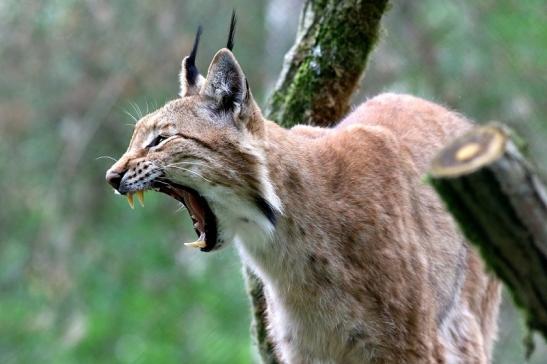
[{"x": 114, "y": 178}]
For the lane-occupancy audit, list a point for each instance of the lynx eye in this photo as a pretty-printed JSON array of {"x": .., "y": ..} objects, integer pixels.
[{"x": 157, "y": 140}]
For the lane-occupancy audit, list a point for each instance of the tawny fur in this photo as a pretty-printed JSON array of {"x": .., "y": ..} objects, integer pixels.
[{"x": 363, "y": 265}]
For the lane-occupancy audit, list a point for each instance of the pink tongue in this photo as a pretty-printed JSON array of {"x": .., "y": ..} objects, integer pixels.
[{"x": 197, "y": 210}]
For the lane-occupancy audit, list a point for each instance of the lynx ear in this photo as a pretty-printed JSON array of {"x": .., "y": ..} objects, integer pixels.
[
  {"x": 228, "y": 89},
  {"x": 226, "y": 84},
  {"x": 190, "y": 79}
]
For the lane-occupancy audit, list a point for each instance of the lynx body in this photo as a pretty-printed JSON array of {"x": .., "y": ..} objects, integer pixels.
[{"x": 360, "y": 261}]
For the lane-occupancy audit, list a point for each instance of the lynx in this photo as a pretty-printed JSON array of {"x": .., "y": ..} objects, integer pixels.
[{"x": 360, "y": 261}]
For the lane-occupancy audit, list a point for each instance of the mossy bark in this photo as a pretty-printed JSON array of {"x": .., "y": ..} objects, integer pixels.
[
  {"x": 501, "y": 206},
  {"x": 324, "y": 67},
  {"x": 321, "y": 72}
]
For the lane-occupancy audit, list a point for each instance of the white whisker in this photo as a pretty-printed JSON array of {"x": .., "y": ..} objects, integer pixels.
[
  {"x": 134, "y": 110},
  {"x": 197, "y": 163},
  {"x": 131, "y": 116},
  {"x": 137, "y": 109},
  {"x": 189, "y": 171},
  {"x": 140, "y": 111},
  {"x": 162, "y": 182},
  {"x": 181, "y": 207},
  {"x": 106, "y": 157}
]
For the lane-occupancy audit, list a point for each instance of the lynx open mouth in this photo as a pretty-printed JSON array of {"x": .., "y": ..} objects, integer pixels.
[{"x": 203, "y": 218}]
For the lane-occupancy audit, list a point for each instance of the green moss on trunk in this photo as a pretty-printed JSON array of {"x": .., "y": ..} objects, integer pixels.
[{"x": 336, "y": 38}]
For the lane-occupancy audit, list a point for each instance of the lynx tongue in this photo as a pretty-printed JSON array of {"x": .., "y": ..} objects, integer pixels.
[{"x": 197, "y": 213}]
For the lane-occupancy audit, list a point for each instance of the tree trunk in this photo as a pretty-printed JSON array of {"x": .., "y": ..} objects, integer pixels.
[
  {"x": 324, "y": 67},
  {"x": 501, "y": 206},
  {"x": 321, "y": 72}
]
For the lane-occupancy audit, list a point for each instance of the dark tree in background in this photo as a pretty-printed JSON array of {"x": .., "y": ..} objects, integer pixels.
[{"x": 321, "y": 72}]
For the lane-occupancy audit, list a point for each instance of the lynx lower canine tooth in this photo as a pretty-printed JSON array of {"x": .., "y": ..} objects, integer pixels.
[
  {"x": 140, "y": 197},
  {"x": 130, "y": 200},
  {"x": 197, "y": 244}
]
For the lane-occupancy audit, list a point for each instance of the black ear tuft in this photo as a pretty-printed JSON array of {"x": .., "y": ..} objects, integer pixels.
[
  {"x": 230, "y": 44},
  {"x": 191, "y": 70}
]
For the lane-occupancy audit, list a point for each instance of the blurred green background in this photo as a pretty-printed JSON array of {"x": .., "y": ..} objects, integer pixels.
[{"x": 84, "y": 279}]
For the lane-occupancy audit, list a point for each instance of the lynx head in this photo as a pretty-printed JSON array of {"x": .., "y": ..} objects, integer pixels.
[{"x": 204, "y": 149}]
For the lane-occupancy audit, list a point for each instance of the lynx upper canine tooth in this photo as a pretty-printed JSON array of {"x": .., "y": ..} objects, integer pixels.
[
  {"x": 130, "y": 200},
  {"x": 140, "y": 197},
  {"x": 200, "y": 243},
  {"x": 196, "y": 244}
]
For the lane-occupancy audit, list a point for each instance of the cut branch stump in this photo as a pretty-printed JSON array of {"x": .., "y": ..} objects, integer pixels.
[{"x": 500, "y": 204}]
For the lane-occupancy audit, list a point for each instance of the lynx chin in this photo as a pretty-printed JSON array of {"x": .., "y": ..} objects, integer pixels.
[{"x": 359, "y": 259}]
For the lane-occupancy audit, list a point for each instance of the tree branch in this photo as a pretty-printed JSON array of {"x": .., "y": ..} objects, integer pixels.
[{"x": 501, "y": 206}]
